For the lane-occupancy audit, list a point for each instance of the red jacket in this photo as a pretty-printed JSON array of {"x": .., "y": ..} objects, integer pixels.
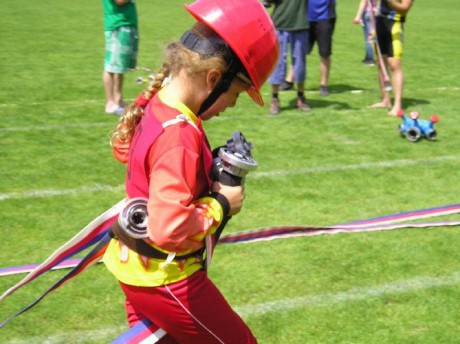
[{"x": 170, "y": 166}]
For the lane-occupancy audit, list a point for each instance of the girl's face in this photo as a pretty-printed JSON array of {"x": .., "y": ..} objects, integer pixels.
[{"x": 226, "y": 100}]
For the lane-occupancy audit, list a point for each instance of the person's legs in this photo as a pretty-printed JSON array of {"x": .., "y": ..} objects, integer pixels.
[
  {"x": 113, "y": 85},
  {"x": 395, "y": 63},
  {"x": 111, "y": 69},
  {"x": 275, "y": 102},
  {"x": 121, "y": 47},
  {"x": 299, "y": 50},
  {"x": 279, "y": 74},
  {"x": 134, "y": 318},
  {"x": 324, "y": 67},
  {"x": 369, "y": 52},
  {"x": 397, "y": 80},
  {"x": 386, "y": 99},
  {"x": 384, "y": 41},
  {"x": 190, "y": 311},
  {"x": 288, "y": 83},
  {"x": 325, "y": 30},
  {"x": 118, "y": 89},
  {"x": 108, "y": 81},
  {"x": 299, "y": 45}
]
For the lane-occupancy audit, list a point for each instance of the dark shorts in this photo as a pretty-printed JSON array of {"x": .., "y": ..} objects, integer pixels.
[
  {"x": 390, "y": 37},
  {"x": 321, "y": 32}
]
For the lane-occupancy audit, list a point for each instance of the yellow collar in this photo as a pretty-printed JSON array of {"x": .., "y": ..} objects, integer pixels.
[{"x": 175, "y": 103}]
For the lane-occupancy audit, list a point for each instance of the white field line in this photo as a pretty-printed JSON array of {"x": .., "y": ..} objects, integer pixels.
[
  {"x": 268, "y": 174},
  {"x": 354, "y": 294},
  {"x": 56, "y": 127},
  {"x": 363, "y": 166},
  {"x": 89, "y": 101},
  {"x": 311, "y": 301},
  {"x": 62, "y": 192}
]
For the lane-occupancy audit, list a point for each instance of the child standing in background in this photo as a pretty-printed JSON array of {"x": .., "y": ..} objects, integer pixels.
[
  {"x": 363, "y": 17},
  {"x": 121, "y": 45}
]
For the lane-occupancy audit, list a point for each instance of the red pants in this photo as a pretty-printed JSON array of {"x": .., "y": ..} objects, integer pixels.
[{"x": 190, "y": 311}]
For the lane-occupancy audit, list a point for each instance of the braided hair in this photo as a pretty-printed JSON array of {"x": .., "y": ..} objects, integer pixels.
[{"x": 178, "y": 56}]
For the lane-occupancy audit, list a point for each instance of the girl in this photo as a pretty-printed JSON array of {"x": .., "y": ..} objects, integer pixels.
[{"x": 230, "y": 50}]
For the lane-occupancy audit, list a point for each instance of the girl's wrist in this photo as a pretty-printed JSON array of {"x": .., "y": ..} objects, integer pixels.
[{"x": 223, "y": 201}]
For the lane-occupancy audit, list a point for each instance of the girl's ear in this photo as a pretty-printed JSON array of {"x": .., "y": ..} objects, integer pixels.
[{"x": 213, "y": 78}]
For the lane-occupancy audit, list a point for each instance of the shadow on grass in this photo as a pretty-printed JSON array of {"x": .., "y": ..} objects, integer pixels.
[
  {"x": 290, "y": 104},
  {"x": 328, "y": 102},
  {"x": 288, "y": 98},
  {"x": 410, "y": 102},
  {"x": 345, "y": 88}
]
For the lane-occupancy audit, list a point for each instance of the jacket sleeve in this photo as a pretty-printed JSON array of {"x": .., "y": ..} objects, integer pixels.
[{"x": 180, "y": 210}]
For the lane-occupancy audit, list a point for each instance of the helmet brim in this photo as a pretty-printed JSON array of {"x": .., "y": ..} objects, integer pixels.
[{"x": 255, "y": 95}]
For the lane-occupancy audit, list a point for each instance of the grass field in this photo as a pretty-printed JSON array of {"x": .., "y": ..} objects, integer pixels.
[{"x": 340, "y": 163}]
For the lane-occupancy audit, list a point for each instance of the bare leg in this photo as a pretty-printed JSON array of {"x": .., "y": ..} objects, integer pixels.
[
  {"x": 324, "y": 68},
  {"x": 117, "y": 89},
  {"x": 113, "y": 85},
  {"x": 397, "y": 79},
  {"x": 386, "y": 100},
  {"x": 290, "y": 75},
  {"x": 288, "y": 83},
  {"x": 108, "y": 86}
]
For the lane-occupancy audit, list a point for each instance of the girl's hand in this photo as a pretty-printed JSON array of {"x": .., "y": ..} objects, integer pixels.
[{"x": 234, "y": 195}]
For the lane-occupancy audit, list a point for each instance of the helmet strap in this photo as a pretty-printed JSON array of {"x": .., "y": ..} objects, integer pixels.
[
  {"x": 208, "y": 47},
  {"x": 222, "y": 86}
]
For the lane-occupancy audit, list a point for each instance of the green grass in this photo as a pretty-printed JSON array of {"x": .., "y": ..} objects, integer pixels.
[{"x": 340, "y": 163}]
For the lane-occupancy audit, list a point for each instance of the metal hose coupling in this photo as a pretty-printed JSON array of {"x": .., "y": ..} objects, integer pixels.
[
  {"x": 413, "y": 134},
  {"x": 133, "y": 218},
  {"x": 233, "y": 161}
]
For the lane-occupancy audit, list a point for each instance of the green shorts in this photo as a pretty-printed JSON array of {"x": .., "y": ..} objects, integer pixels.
[{"x": 121, "y": 49}]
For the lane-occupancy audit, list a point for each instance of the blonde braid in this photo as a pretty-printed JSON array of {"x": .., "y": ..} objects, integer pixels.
[
  {"x": 132, "y": 116},
  {"x": 177, "y": 58}
]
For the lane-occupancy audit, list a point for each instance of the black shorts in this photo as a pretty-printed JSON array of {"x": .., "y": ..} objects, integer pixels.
[
  {"x": 321, "y": 32},
  {"x": 390, "y": 37}
]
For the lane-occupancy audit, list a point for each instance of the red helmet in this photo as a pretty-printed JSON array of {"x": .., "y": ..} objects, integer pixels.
[{"x": 248, "y": 29}]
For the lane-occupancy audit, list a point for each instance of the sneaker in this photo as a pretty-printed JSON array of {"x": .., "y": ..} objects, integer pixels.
[
  {"x": 302, "y": 104},
  {"x": 368, "y": 62},
  {"x": 286, "y": 86},
  {"x": 324, "y": 91},
  {"x": 274, "y": 107}
]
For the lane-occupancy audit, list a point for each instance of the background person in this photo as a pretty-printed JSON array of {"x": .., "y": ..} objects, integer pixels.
[
  {"x": 290, "y": 20},
  {"x": 168, "y": 157},
  {"x": 390, "y": 20},
  {"x": 121, "y": 45},
  {"x": 322, "y": 17},
  {"x": 363, "y": 17}
]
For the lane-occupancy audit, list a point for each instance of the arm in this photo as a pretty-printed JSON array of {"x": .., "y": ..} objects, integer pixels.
[
  {"x": 401, "y": 6},
  {"x": 178, "y": 218},
  {"x": 360, "y": 11},
  {"x": 121, "y": 2}
]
